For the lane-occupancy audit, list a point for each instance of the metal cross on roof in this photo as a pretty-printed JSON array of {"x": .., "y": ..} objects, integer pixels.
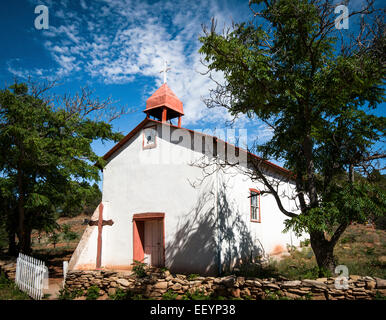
[{"x": 164, "y": 70}]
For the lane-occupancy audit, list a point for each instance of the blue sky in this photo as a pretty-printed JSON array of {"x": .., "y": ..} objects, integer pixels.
[{"x": 117, "y": 47}]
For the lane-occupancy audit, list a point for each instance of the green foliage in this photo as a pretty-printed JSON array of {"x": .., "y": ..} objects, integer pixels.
[
  {"x": 379, "y": 296},
  {"x": 273, "y": 295},
  {"x": 305, "y": 243},
  {"x": 196, "y": 295},
  {"x": 121, "y": 294},
  {"x": 286, "y": 69},
  {"x": 92, "y": 293},
  {"x": 256, "y": 270},
  {"x": 68, "y": 235},
  {"x": 54, "y": 238},
  {"x": 169, "y": 295},
  {"x": 139, "y": 269},
  {"x": 49, "y": 164},
  {"x": 9, "y": 290},
  {"x": 192, "y": 276},
  {"x": 65, "y": 294}
]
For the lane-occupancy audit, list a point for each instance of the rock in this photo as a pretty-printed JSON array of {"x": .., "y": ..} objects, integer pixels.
[
  {"x": 248, "y": 283},
  {"x": 80, "y": 298},
  {"x": 313, "y": 283},
  {"x": 318, "y": 297},
  {"x": 181, "y": 276},
  {"x": 111, "y": 291},
  {"x": 235, "y": 292},
  {"x": 322, "y": 280},
  {"x": 298, "y": 291},
  {"x": 176, "y": 287},
  {"x": 291, "y": 295},
  {"x": 166, "y": 273},
  {"x": 257, "y": 283},
  {"x": 113, "y": 284},
  {"x": 246, "y": 292},
  {"x": 123, "y": 282},
  {"x": 154, "y": 294},
  {"x": 178, "y": 280},
  {"x": 103, "y": 297},
  {"x": 382, "y": 292},
  {"x": 271, "y": 286},
  {"x": 161, "y": 285},
  {"x": 229, "y": 281},
  {"x": 381, "y": 283},
  {"x": 355, "y": 277},
  {"x": 240, "y": 280},
  {"x": 291, "y": 284}
]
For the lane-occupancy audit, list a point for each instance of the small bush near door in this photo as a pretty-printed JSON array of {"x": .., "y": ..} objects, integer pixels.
[{"x": 139, "y": 269}]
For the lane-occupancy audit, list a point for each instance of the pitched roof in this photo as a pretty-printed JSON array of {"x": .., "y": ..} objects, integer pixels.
[
  {"x": 164, "y": 96},
  {"x": 121, "y": 143}
]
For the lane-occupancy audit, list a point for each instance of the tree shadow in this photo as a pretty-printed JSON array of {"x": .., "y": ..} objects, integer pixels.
[{"x": 203, "y": 239}]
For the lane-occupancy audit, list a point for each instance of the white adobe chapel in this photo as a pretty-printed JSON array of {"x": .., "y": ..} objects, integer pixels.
[{"x": 161, "y": 208}]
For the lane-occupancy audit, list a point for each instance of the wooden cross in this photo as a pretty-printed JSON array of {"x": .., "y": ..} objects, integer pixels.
[
  {"x": 100, "y": 223},
  {"x": 164, "y": 70}
]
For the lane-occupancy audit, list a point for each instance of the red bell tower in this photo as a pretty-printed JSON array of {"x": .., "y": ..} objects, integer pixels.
[{"x": 164, "y": 105}]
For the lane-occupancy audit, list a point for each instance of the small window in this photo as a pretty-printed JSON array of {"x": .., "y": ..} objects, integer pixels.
[
  {"x": 255, "y": 205},
  {"x": 149, "y": 137}
]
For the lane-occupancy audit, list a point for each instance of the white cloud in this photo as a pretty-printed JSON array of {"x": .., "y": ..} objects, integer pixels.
[{"x": 114, "y": 41}]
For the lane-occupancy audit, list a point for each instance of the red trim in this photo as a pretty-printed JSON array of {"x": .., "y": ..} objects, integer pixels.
[
  {"x": 99, "y": 244},
  {"x": 125, "y": 139},
  {"x": 164, "y": 113},
  {"x": 143, "y": 138},
  {"x": 148, "y": 215},
  {"x": 250, "y": 204},
  {"x": 138, "y": 233},
  {"x": 179, "y": 122}
]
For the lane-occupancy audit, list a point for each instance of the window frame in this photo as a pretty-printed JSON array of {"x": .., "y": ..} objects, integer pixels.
[
  {"x": 154, "y": 145},
  {"x": 252, "y": 190}
]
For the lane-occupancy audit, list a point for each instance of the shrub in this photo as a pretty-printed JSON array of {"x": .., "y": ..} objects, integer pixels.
[
  {"x": 69, "y": 235},
  {"x": 139, "y": 269},
  {"x": 92, "y": 293},
  {"x": 121, "y": 294},
  {"x": 65, "y": 294},
  {"x": 257, "y": 270},
  {"x": 196, "y": 295},
  {"x": 192, "y": 276},
  {"x": 169, "y": 295}
]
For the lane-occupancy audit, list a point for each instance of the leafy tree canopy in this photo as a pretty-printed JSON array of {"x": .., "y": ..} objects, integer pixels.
[
  {"x": 316, "y": 87},
  {"x": 46, "y": 161}
]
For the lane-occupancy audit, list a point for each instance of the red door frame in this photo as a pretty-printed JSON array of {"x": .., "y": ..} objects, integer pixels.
[{"x": 138, "y": 233}]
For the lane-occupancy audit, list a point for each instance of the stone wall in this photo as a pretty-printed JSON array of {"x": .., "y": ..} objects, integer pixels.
[
  {"x": 8, "y": 267},
  {"x": 157, "y": 283}
]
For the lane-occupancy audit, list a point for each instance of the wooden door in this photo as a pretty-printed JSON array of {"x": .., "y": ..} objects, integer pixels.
[{"x": 154, "y": 242}]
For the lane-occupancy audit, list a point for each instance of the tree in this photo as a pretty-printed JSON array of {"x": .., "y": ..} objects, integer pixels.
[
  {"x": 68, "y": 235},
  {"x": 316, "y": 87},
  {"x": 46, "y": 156}
]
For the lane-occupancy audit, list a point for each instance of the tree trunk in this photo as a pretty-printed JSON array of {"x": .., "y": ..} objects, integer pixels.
[
  {"x": 11, "y": 228},
  {"x": 324, "y": 252}
]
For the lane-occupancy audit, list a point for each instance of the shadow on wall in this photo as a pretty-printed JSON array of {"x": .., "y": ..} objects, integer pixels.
[{"x": 200, "y": 234}]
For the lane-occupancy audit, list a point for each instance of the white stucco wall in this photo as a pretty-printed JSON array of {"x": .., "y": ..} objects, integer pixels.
[{"x": 162, "y": 179}]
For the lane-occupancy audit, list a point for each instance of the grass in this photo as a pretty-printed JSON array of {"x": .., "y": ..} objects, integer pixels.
[
  {"x": 360, "y": 248},
  {"x": 9, "y": 290}
]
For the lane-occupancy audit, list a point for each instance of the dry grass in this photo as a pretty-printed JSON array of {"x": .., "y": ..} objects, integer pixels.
[{"x": 361, "y": 248}]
